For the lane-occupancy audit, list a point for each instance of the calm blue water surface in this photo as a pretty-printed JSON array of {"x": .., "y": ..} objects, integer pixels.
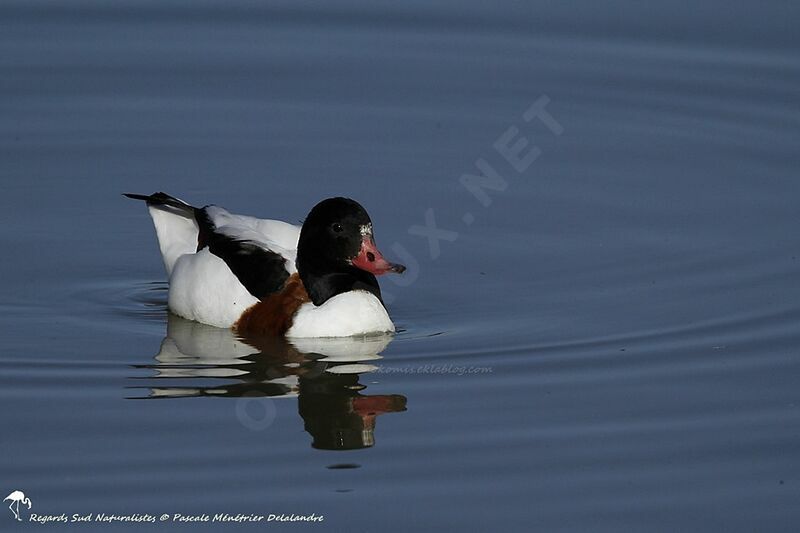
[{"x": 604, "y": 340}]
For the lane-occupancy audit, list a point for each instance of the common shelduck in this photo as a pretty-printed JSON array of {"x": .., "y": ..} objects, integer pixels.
[{"x": 267, "y": 277}]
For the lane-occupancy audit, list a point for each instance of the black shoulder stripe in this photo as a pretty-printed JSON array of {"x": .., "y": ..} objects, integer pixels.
[{"x": 262, "y": 272}]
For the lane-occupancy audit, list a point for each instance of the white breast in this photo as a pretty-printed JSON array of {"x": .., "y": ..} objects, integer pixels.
[{"x": 345, "y": 315}]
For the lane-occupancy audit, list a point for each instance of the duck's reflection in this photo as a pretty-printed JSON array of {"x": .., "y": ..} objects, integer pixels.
[{"x": 323, "y": 373}]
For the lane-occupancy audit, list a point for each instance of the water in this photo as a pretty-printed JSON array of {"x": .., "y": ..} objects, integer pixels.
[{"x": 610, "y": 344}]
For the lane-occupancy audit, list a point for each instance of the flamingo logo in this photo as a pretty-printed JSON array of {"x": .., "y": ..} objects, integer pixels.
[{"x": 16, "y": 497}]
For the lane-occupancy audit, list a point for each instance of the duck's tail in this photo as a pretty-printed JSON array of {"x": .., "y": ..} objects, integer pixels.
[
  {"x": 164, "y": 200},
  {"x": 176, "y": 225}
]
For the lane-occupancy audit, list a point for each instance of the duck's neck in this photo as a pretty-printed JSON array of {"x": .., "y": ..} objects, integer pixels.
[{"x": 322, "y": 286}]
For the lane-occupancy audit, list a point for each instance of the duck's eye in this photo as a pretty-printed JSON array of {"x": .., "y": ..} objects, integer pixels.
[{"x": 337, "y": 228}]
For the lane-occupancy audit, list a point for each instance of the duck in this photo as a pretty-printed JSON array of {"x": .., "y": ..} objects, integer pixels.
[{"x": 269, "y": 277}]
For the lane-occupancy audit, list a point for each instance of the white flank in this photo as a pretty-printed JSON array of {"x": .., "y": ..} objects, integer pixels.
[{"x": 203, "y": 288}]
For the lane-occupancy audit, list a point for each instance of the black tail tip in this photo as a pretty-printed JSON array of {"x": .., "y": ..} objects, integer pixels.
[{"x": 144, "y": 197}]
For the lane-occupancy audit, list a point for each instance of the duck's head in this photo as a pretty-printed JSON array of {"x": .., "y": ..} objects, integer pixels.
[{"x": 337, "y": 240}]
